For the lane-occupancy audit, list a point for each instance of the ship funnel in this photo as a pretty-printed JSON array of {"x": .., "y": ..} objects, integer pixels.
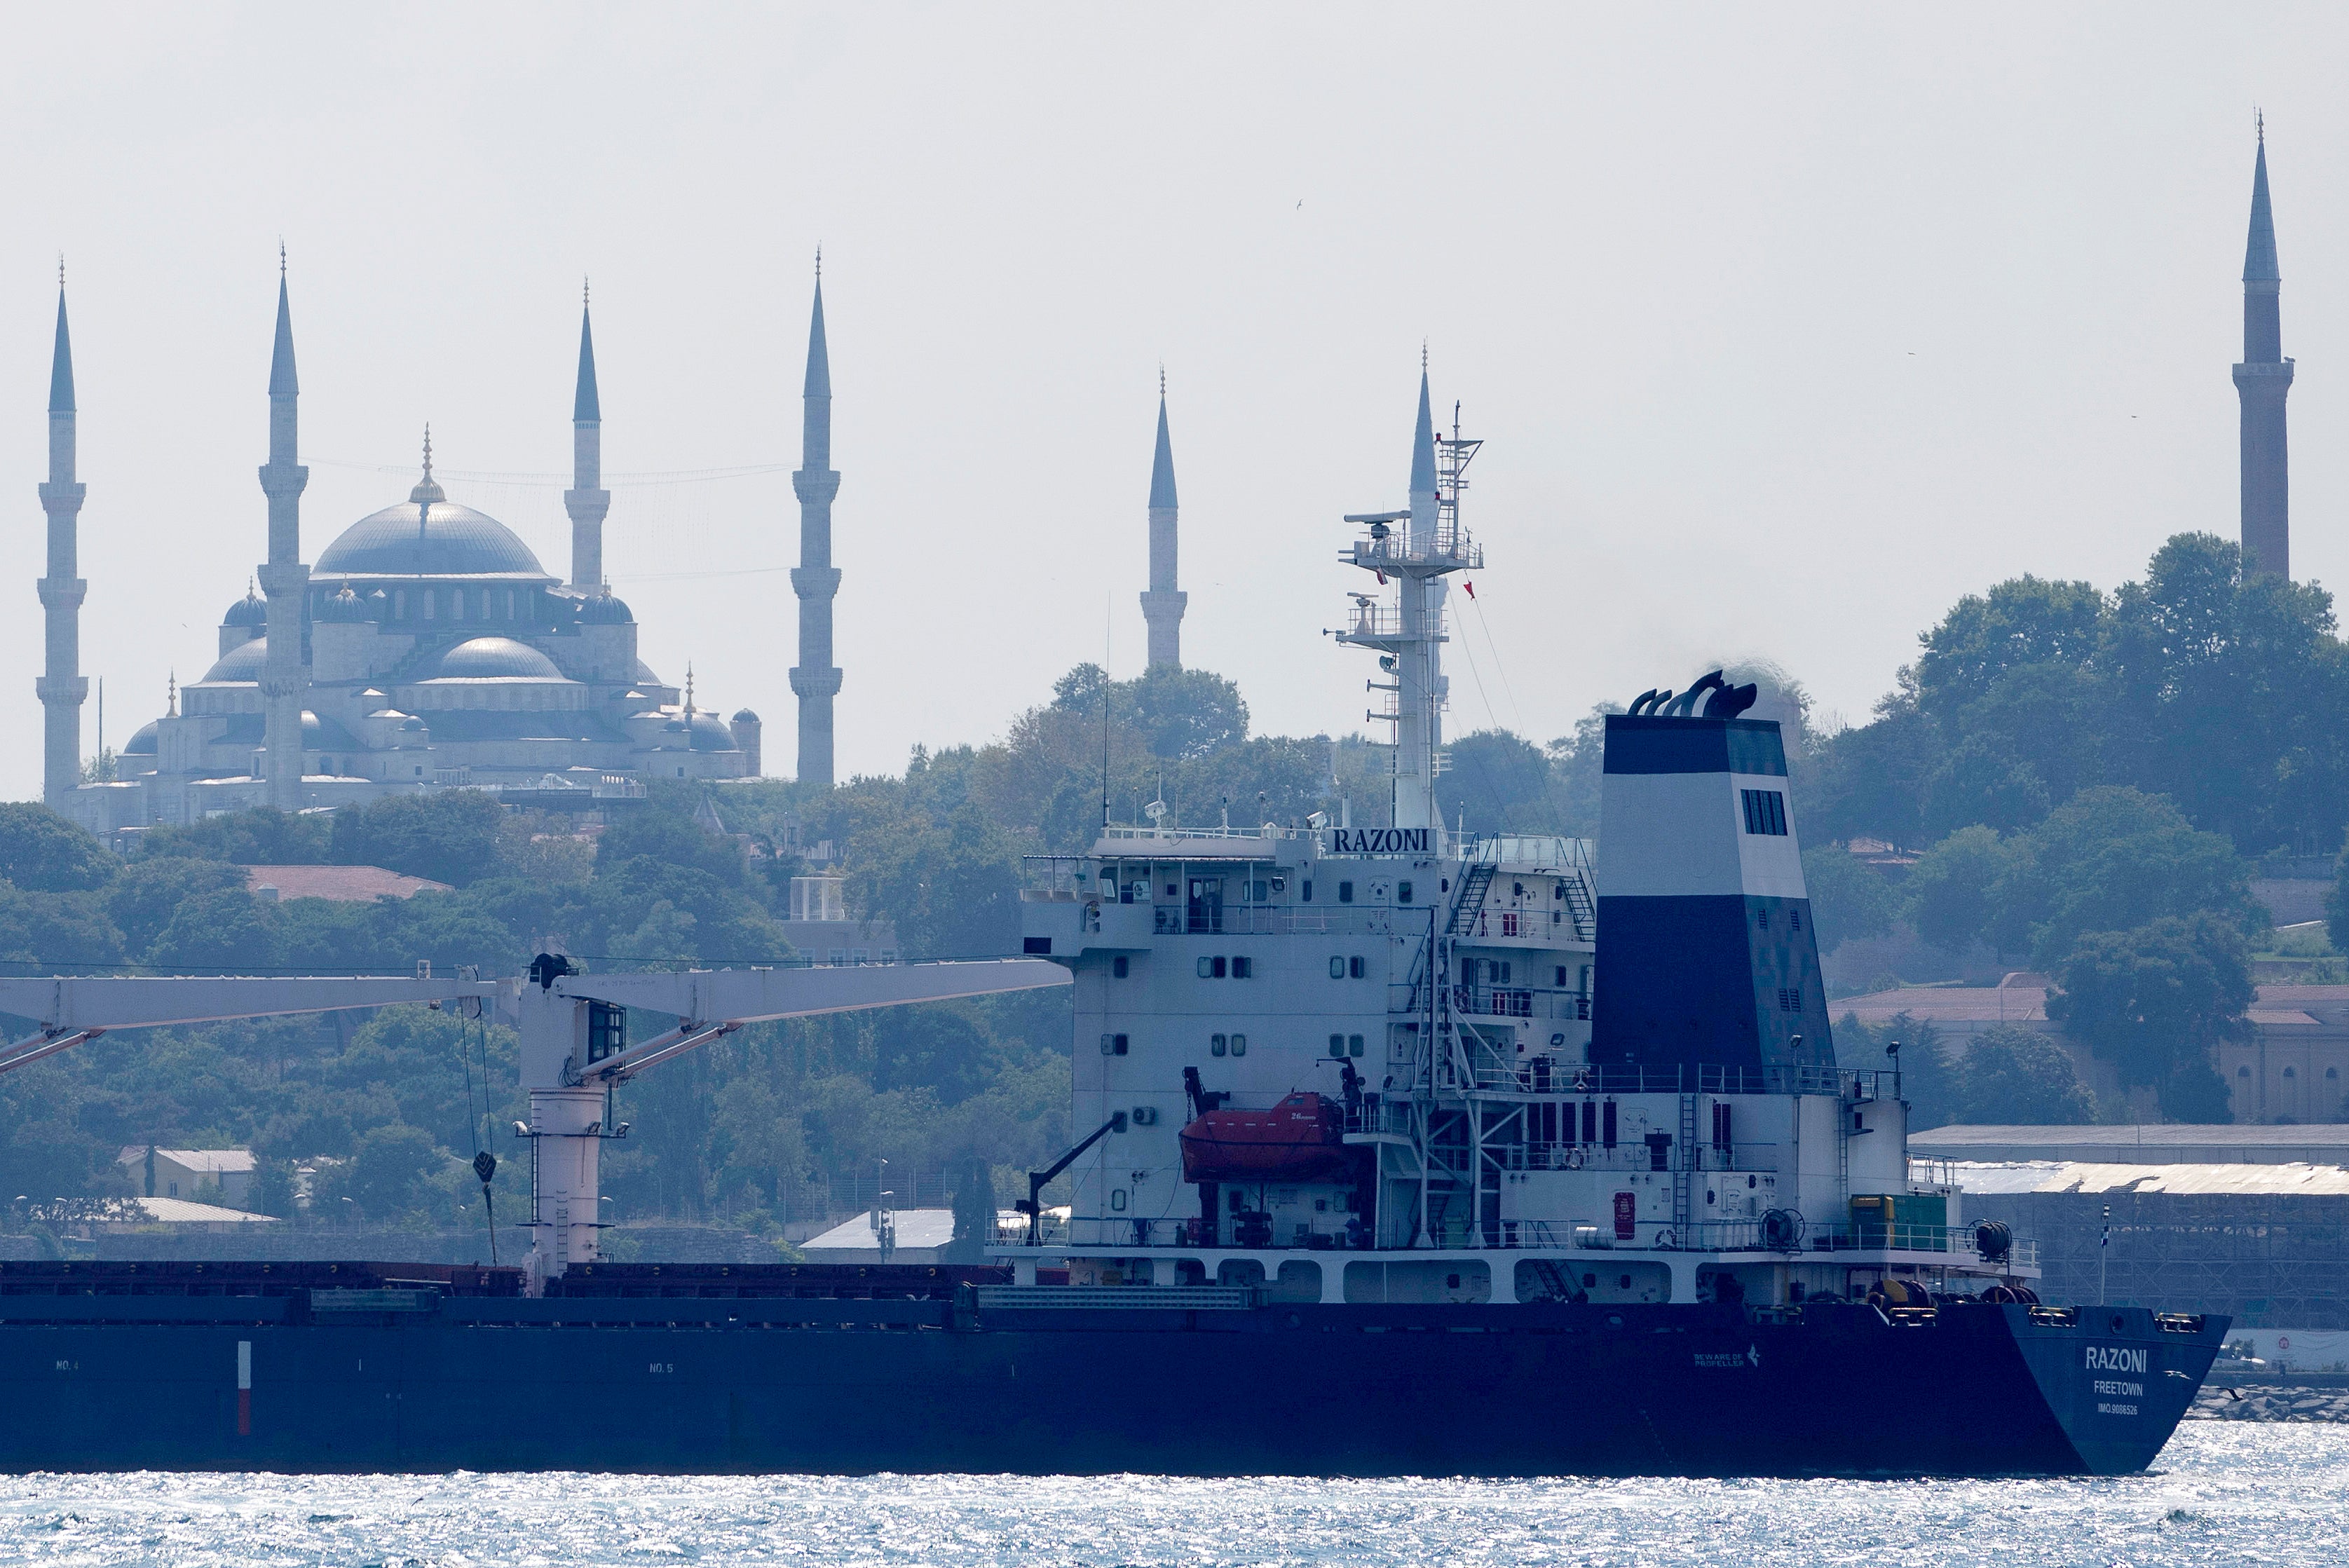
[{"x": 1707, "y": 955}]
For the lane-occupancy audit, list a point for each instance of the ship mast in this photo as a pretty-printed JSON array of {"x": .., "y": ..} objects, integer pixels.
[{"x": 1411, "y": 552}]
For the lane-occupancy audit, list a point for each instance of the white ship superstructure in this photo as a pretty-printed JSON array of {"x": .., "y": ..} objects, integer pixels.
[{"x": 1397, "y": 1064}]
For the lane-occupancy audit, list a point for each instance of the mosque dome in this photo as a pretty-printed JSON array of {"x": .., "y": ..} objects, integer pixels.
[
  {"x": 644, "y": 676},
  {"x": 243, "y": 663},
  {"x": 710, "y": 733},
  {"x": 141, "y": 744},
  {"x": 429, "y": 538},
  {"x": 250, "y": 611},
  {"x": 494, "y": 659},
  {"x": 605, "y": 610},
  {"x": 744, "y": 716},
  {"x": 344, "y": 606}
]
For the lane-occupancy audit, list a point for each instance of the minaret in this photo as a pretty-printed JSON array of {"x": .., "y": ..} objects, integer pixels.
[
  {"x": 586, "y": 500},
  {"x": 1162, "y": 606},
  {"x": 64, "y": 687},
  {"x": 2262, "y": 381},
  {"x": 285, "y": 674},
  {"x": 816, "y": 580}
]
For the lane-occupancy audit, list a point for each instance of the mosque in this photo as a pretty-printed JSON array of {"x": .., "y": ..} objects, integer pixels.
[{"x": 428, "y": 648}]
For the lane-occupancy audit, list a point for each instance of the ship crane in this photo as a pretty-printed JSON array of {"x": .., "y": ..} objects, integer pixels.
[{"x": 574, "y": 1046}]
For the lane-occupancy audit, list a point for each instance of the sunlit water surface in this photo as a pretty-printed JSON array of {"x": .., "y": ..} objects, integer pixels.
[{"x": 2222, "y": 1493}]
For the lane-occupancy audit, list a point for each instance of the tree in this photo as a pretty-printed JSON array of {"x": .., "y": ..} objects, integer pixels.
[
  {"x": 142, "y": 899},
  {"x": 42, "y": 852},
  {"x": 2113, "y": 857},
  {"x": 2157, "y": 1001},
  {"x": 221, "y": 932},
  {"x": 272, "y": 1188},
  {"x": 2024, "y": 621},
  {"x": 2014, "y": 1077},
  {"x": 974, "y": 1212},
  {"x": 1956, "y": 891},
  {"x": 448, "y": 836},
  {"x": 1982, "y": 781},
  {"x": 1848, "y": 900},
  {"x": 262, "y": 836},
  {"x": 1928, "y": 1081},
  {"x": 386, "y": 1177},
  {"x": 1502, "y": 782}
]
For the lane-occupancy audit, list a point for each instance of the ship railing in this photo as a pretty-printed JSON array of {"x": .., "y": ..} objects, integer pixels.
[
  {"x": 1521, "y": 1002},
  {"x": 1446, "y": 544},
  {"x": 1691, "y": 1078},
  {"x": 1247, "y": 1229},
  {"x": 1934, "y": 1172},
  {"x": 1164, "y": 833},
  {"x": 1540, "y": 854},
  {"x": 1274, "y": 920},
  {"x": 1378, "y": 1115},
  {"x": 1562, "y": 1155}
]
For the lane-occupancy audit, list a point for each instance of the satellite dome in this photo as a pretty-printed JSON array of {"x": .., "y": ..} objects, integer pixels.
[
  {"x": 250, "y": 611},
  {"x": 141, "y": 744},
  {"x": 744, "y": 716},
  {"x": 494, "y": 659},
  {"x": 605, "y": 610},
  {"x": 243, "y": 663},
  {"x": 344, "y": 606}
]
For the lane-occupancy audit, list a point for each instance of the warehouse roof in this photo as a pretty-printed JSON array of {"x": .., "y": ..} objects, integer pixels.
[{"x": 2293, "y": 1180}]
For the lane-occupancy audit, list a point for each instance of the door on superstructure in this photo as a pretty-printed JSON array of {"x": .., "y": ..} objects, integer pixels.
[{"x": 1205, "y": 911}]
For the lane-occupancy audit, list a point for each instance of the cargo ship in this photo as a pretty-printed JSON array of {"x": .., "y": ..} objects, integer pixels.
[{"x": 1390, "y": 1166}]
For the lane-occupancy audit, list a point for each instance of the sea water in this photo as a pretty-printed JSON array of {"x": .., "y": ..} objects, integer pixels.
[{"x": 2223, "y": 1492}]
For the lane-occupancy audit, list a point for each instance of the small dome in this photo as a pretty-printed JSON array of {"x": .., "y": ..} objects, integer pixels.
[
  {"x": 430, "y": 538},
  {"x": 710, "y": 733},
  {"x": 644, "y": 676},
  {"x": 141, "y": 744},
  {"x": 676, "y": 725},
  {"x": 344, "y": 606},
  {"x": 411, "y": 724},
  {"x": 605, "y": 610},
  {"x": 250, "y": 611},
  {"x": 495, "y": 659},
  {"x": 243, "y": 663},
  {"x": 744, "y": 716}
]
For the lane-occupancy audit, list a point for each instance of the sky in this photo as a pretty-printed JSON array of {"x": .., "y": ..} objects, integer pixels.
[{"x": 1785, "y": 327}]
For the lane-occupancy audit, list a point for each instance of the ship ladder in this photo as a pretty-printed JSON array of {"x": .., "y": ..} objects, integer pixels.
[
  {"x": 1683, "y": 1167},
  {"x": 1471, "y": 901},
  {"x": 1554, "y": 1285},
  {"x": 1579, "y": 907}
]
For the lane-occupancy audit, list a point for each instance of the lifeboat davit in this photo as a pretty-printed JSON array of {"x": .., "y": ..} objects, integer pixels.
[{"x": 1302, "y": 1139}]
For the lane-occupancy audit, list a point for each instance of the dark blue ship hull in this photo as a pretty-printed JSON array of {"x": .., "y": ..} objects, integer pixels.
[{"x": 766, "y": 1384}]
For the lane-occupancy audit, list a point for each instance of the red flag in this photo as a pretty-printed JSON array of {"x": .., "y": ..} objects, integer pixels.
[
  {"x": 1470, "y": 586},
  {"x": 1382, "y": 578}
]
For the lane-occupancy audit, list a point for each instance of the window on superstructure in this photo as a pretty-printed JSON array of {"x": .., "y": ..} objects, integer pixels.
[
  {"x": 1239, "y": 1045},
  {"x": 1117, "y": 1045},
  {"x": 1305, "y": 890},
  {"x": 1353, "y": 1044},
  {"x": 1354, "y": 966},
  {"x": 1337, "y": 1044},
  {"x": 1117, "y": 965},
  {"x": 1402, "y": 892},
  {"x": 1765, "y": 811},
  {"x": 1345, "y": 892},
  {"x": 1243, "y": 966},
  {"x": 1337, "y": 967},
  {"x": 1217, "y": 1045},
  {"x": 1607, "y": 1125}
]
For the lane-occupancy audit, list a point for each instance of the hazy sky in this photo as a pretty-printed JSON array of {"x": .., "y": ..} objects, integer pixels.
[{"x": 1784, "y": 326}]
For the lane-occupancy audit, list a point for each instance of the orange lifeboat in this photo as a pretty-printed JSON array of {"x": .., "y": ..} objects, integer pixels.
[{"x": 1302, "y": 1139}]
